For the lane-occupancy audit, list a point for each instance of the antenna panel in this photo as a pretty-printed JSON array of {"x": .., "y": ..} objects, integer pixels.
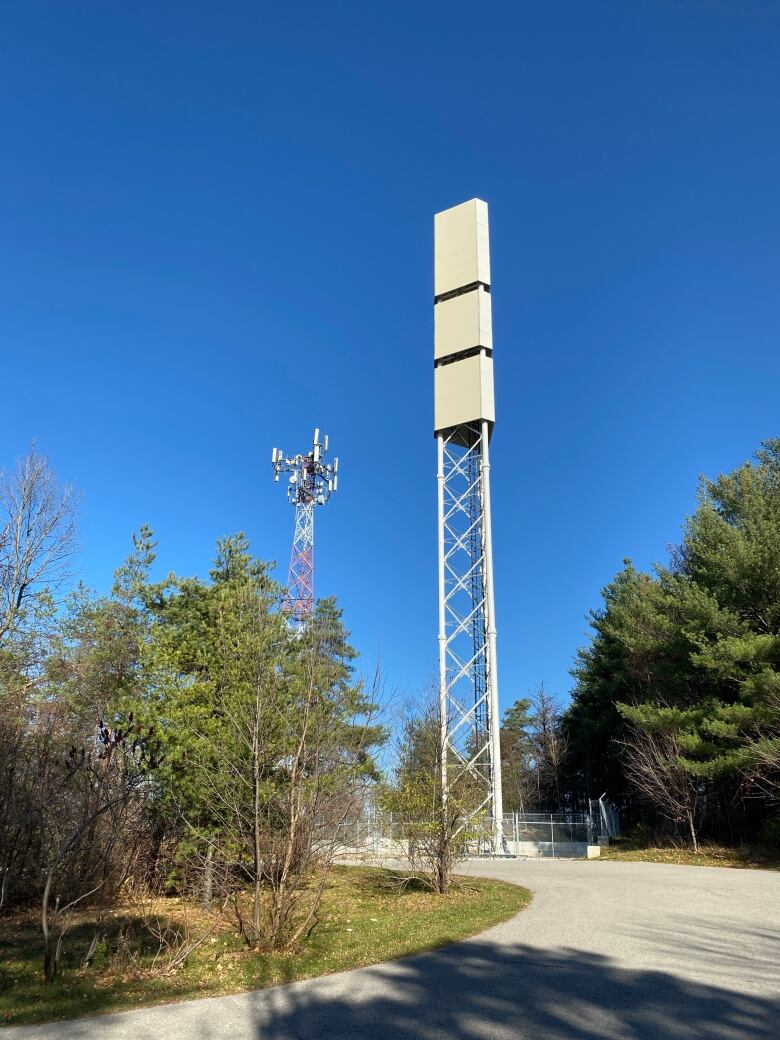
[{"x": 461, "y": 247}]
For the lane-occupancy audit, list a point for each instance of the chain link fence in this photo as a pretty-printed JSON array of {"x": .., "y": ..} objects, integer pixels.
[
  {"x": 606, "y": 818},
  {"x": 532, "y": 835},
  {"x": 547, "y": 835}
]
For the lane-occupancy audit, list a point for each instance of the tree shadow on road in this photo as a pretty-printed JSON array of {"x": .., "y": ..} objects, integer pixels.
[
  {"x": 476, "y": 990},
  {"x": 484, "y": 990}
]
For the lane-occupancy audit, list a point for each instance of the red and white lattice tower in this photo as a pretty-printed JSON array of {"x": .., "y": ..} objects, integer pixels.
[{"x": 311, "y": 483}]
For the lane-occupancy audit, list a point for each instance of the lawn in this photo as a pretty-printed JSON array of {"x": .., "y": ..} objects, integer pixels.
[
  {"x": 364, "y": 919},
  {"x": 709, "y": 855}
]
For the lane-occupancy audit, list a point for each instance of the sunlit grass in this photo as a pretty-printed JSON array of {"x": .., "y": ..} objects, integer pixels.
[
  {"x": 364, "y": 919},
  {"x": 708, "y": 856}
]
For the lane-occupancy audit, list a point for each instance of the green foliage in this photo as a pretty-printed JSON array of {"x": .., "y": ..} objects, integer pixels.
[
  {"x": 532, "y": 749},
  {"x": 517, "y": 756},
  {"x": 517, "y": 742},
  {"x": 226, "y": 689},
  {"x": 171, "y": 735},
  {"x": 200, "y": 651},
  {"x": 692, "y": 649},
  {"x": 248, "y": 722},
  {"x": 265, "y": 733}
]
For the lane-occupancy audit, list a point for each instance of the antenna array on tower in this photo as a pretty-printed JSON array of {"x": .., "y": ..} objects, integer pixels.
[
  {"x": 464, "y": 415},
  {"x": 311, "y": 482}
]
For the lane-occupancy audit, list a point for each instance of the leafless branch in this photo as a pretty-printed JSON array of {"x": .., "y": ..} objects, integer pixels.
[{"x": 37, "y": 535}]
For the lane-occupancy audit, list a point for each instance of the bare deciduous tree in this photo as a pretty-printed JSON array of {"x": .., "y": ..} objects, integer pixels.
[
  {"x": 653, "y": 765},
  {"x": 37, "y": 538},
  {"x": 16, "y": 786},
  {"x": 88, "y": 811},
  {"x": 37, "y": 535},
  {"x": 437, "y": 827},
  {"x": 763, "y": 750}
]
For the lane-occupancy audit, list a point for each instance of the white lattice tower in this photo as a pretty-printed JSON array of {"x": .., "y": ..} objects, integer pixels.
[{"x": 463, "y": 424}]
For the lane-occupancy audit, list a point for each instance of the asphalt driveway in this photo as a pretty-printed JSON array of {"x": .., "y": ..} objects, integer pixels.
[{"x": 606, "y": 950}]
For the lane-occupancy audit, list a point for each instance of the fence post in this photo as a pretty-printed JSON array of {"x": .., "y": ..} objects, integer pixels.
[{"x": 552, "y": 835}]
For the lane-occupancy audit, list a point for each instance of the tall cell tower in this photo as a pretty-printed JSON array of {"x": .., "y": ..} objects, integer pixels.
[
  {"x": 311, "y": 483},
  {"x": 464, "y": 414}
]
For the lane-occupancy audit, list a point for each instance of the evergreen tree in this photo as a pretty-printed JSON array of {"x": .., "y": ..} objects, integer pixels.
[{"x": 692, "y": 652}]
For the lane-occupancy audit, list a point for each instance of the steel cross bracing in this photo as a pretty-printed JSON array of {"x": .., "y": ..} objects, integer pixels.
[
  {"x": 311, "y": 483},
  {"x": 299, "y": 599},
  {"x": 467, "y": 691}
]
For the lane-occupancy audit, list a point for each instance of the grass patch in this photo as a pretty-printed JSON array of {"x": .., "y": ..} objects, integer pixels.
[
  {"x": 364, "y": 919},
  {"x": 744, "y": 856}
]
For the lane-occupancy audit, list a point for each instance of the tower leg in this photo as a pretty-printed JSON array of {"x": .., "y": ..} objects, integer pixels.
[
  {"x": 492, "y": 666},
  {"x": 442, "y": 622},
  {"x": 468, "y": 689}
]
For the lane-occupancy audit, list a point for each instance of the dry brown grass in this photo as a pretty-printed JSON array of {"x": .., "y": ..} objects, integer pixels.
[{"x": 365, "y": 917}]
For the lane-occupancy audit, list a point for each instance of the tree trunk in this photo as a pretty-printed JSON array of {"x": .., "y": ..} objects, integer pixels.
[
  {"x": 47, "y": 960},
  {"x": 92, "y": 947},
  {"x": 256, "y": 921},
  {"x": 208, "y": 879},
  {"x": 692, "y": 829},
  {"x": 443, "y": 885}
]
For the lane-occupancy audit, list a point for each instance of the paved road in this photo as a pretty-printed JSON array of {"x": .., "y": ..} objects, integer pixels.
[{"x": 606, "y": 950}]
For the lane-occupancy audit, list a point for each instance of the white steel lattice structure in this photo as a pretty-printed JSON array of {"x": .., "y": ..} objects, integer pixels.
[
  {"x": 311, "y": 483},
  {"x": 463, "y": 424}
]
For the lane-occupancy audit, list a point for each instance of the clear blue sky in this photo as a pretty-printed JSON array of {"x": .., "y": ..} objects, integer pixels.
[{"x": 217, "y": 233}]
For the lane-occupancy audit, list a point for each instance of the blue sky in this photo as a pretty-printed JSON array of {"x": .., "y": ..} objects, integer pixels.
[{"x": 217, "y": 234}]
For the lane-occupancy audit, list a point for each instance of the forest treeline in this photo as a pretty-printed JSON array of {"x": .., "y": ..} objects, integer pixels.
[
  {"x": 173, "y": 737},
  {"x": 675, "y": 713},
  {"x": 176, "y": 736}
]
